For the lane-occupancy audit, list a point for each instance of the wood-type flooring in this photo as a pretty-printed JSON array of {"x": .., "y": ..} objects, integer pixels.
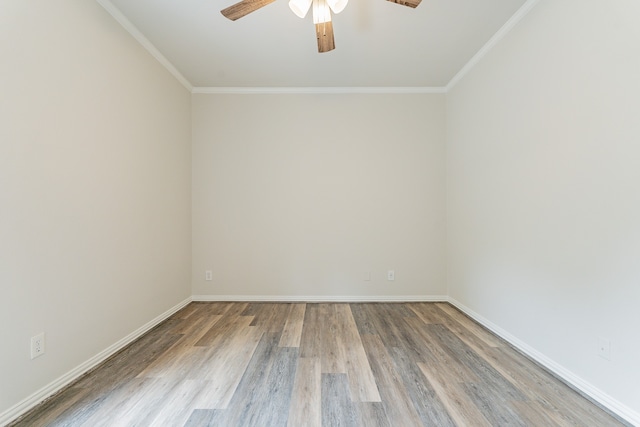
[{"x": 280, "y": 364}]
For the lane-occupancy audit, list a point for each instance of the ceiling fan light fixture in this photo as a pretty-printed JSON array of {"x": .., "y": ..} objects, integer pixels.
[
  {"x": 337, "y": 6},
  {"x": 321, "y": 14},
  {"x": 300, "y": 7},
  {"x": 324, "y": 26}
]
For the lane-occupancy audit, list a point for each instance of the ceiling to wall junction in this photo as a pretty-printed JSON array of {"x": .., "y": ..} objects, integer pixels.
[{"x": 378, "y": 43}]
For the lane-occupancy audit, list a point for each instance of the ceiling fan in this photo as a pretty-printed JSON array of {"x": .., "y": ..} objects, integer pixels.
[{"x": 321, "y": 14}]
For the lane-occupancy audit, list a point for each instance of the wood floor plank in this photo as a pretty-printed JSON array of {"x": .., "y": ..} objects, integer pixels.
[
  {"x": 560, "y": 401},
  {"x": 270, "y": 401},
  {"x": 129, "y": 362},
  {"x": 337, "y": 408},
  {"x": 495, "y": 407},
  {"x": 270, "y": 317},
  {"x": 178, "y": 404},
  {"x": 480, "y": 332},
  {"x": 201, "y": 418},
  {"x": 186, "y": 311},
  {"x": 138, "y": 407},
  {"x": 57, "y": 409},
  {"x": 395, "y": 398},
  {"x": 129, "y": 394},
  {"x": 485, "y": 373},
  {"x": 225, "y": 326},
  {"x": 174, "y": 360},
  {"x": 292, "y": 332},
  {"x": 372, "y": 414},
  {"x": 440, "y": 353},
  {"x": 459, "y": 406},
  {"x": 428, "y": 405},
  {"x": 306, "y": 400},
  {"x": 311, "y": 337},
  {"x": 92, "y": 409},
  {"x": 263, "y": 397},
  {"x": 229, "y": 364},
  {"x": 333, "y": 354},
  {"x": 486, "y": 353},
  {"x": 382, "y": 318},
  {"x": 427, "y": 312},
  {"x": 363, "y": 320},
  {"x": 536, "y": 410},
  {"x": 224, "y": 308},
  {"x": 342, "y": 352},
  {"x": 362, "y": 383},
  {"x": 195, "y": 325},
  {"x": 226, "y": 364},
  {"x": 253, "y": 378},
  {"x": 534, "y": 414},
  {"x": 464, "y": 334}
]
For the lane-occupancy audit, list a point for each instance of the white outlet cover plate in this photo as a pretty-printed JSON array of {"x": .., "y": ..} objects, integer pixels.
[{"x": 37, "y": 345}]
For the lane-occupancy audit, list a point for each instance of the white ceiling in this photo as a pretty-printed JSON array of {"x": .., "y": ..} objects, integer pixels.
[{"x": 378, "y": 43}]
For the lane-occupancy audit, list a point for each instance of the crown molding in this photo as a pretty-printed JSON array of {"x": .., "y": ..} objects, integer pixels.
[
  {"x": 133, "y": 30},
  {"x": 499, "y": 35},
  {"x": 317, "y": 90}
]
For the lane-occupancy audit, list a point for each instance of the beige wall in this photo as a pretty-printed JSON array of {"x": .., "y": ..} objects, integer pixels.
[
  {"x": 543, "y": 189},
  {"x": 94, "y": 189},
  {"x": 298, "y": 195}
]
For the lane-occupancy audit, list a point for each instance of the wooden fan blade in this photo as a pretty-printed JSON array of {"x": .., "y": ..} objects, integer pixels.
[
  {"x": 243, "y": 8},
  {"x": 410, "y": 3},
  {"x": 324, "y": 33}
]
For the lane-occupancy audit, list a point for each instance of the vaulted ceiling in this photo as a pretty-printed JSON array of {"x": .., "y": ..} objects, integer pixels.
[{"x": 378, "y": 43}]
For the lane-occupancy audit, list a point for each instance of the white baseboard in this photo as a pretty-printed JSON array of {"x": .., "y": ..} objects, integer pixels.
[
  {"x": 560, "y": 371},
  {"x": 49, "y": 390},
  {"x": 321, "y": 298}
]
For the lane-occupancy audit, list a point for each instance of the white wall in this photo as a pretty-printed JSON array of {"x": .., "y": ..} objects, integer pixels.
[
  {"x": 300, "y": 194},
  {"x": 94, "y": 189},
  {"x": 544, "y": 188}
]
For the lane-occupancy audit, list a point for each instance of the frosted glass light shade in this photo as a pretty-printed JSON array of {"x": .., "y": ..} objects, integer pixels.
[
  {"x": 300, "y": 7},
  {"x": 337, "y": 5},
  {"x": 321, "y": 12}
]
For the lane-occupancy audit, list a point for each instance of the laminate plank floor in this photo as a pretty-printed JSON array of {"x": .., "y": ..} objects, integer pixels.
[{"x": 307, "y": 365}]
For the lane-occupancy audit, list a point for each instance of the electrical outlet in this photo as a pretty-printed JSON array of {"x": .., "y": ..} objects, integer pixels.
[
  {"x": 37, "y": 345},
  {"x": 391, "y": 275},
  {"x": 208, "y": 275},
  {"x": 604, "y": 348}
]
